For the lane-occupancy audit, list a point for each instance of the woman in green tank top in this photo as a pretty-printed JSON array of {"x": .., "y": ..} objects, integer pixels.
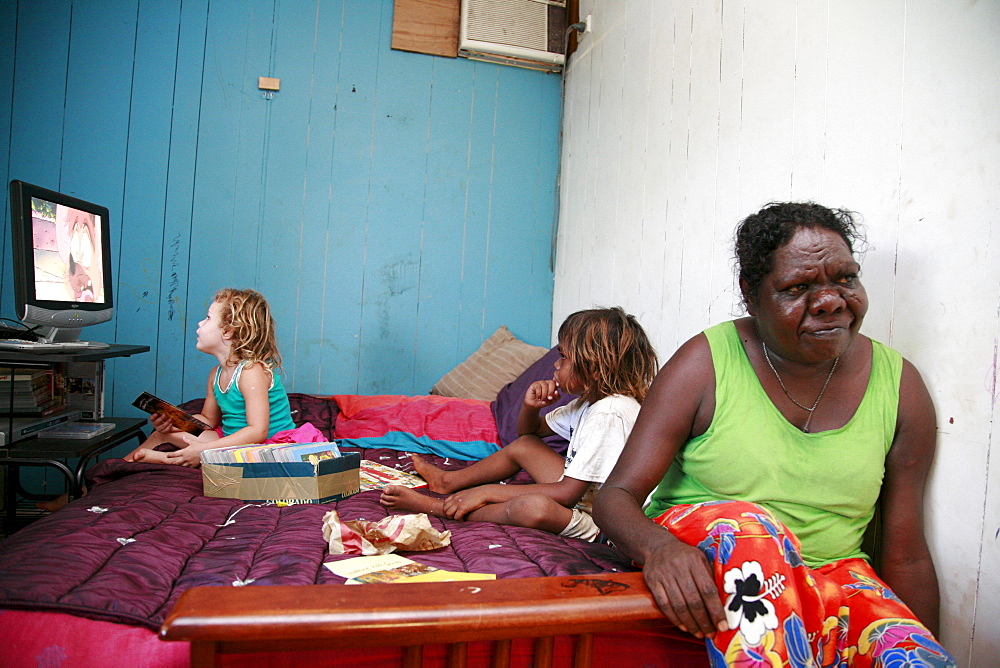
[{"x": 768, "y": 441}]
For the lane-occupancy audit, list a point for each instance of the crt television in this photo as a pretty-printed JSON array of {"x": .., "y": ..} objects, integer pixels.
[{"x": 62, "y": 262}]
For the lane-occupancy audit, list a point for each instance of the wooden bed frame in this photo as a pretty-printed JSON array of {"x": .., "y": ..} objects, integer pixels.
[{"x": 217, "y": 620}]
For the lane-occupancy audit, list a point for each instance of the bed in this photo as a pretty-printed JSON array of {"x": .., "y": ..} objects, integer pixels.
[{"x": 238, "y": 583}]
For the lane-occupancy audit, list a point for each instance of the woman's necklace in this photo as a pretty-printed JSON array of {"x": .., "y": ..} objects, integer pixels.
[{"x": 805, "y": 427}]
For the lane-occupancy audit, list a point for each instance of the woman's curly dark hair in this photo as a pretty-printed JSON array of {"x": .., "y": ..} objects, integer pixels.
[
  {"x": 760, "y": 234},
  {"x": 610, "y": 351}
]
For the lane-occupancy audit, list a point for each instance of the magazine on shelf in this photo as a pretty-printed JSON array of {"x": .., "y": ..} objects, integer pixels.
[{"x": 183, "y": 421}]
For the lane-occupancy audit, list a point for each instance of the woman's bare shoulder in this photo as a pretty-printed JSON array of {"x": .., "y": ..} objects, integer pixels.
[{"x": 689, "y": 371}]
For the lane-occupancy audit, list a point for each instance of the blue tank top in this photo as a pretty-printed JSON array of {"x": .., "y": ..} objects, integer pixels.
[{"x": 234, "y": 406}]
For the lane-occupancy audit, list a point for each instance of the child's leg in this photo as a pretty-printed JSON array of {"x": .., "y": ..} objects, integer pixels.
[
  {"x": 150, "y": 457},
  {"x": 155, "y": 439},
  {"x": 528, "y": 453},
  {"x": 534, "y": 511},
  {"x": 398, "y": 497}
]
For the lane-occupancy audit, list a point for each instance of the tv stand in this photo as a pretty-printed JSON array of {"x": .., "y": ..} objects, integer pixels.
[
  {"x": 51, "y": 347},
  {"x": 30, "y": 450}
]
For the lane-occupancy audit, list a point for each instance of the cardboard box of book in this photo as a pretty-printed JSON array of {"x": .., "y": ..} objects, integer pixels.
[{"x": 293, "y": 482}]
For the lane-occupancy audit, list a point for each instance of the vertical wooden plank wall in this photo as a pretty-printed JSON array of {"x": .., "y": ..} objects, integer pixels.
[{"x": 394, "y": 207}]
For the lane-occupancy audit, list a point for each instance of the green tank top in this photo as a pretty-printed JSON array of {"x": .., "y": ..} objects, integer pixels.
[
  {"x": 234, "y": 407},
  {"x": 822, "y": 486}
]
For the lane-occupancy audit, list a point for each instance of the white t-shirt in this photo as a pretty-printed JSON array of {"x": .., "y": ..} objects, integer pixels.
[{"x": 596, "y": 434}]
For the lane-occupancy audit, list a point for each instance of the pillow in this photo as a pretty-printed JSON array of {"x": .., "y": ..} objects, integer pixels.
[
  {"x": 443, "y": 426},
  {"x": 507, "y": 406},
  {"x": 499, "y": 360}
]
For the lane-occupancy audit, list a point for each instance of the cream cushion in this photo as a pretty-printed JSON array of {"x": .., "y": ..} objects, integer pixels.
[{"x": 500, "y": 359}]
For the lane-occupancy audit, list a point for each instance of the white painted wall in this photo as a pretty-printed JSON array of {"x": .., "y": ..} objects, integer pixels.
[{"x": 683, "y": 116}]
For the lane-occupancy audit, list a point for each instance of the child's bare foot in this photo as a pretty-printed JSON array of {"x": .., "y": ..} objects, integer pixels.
[
  {"x": 54, "y": 504},
  {"x": 147, "y": 456},
  {"x": 435, "y": 477},
  {"x": 398, "y": 497}
]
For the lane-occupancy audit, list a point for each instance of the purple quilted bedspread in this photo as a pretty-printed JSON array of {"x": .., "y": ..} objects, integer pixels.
[{"x": 144, "y": 534}]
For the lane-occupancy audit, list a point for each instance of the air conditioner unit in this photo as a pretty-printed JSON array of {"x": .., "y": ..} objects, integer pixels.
[{"x": 526, "y": 33}]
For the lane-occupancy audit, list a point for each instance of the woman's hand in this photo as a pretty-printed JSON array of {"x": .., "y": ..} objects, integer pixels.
[
  {"x": 541, "y": 393},
  {"x": 680, "y": 405},
  {"x": 681, "y": 581}
]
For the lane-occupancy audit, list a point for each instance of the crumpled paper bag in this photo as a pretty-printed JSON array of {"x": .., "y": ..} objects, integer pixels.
[{"x": 394, "y": 532}]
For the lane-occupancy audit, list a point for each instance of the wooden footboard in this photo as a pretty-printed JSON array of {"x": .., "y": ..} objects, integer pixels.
[{"x": 218, "y": 620}]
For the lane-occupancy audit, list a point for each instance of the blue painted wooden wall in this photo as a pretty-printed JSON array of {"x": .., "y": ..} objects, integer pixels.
[{"x": 395, "y": 208}]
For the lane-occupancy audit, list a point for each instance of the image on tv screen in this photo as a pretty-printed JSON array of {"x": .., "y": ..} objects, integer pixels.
[{"x": 67, "y": 253}]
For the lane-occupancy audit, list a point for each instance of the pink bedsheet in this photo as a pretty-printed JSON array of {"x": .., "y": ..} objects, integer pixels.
[{"x": 70, "y": 641}]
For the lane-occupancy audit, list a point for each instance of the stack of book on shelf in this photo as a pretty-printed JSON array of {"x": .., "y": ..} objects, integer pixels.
[
  {"x": 34, "y": 391},
  {"x": 277, "y": 452}
]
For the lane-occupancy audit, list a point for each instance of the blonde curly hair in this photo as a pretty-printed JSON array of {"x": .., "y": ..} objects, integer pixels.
[{"x": 246, "y": 315}]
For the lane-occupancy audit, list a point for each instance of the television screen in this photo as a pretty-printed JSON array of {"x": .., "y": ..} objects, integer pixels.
[
  {"x": 62, "y": 262},
  {"x": 67, "y": 251}
]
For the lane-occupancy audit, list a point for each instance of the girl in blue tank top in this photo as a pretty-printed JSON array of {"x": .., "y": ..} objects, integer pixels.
[{"x": 245, "y": 400}]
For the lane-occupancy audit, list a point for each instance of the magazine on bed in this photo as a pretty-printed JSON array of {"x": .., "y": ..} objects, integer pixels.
[
  {"x": 183, "y": 421},
  {"x": 396, "y": 568},
  {"x": 377, "y": 476}
]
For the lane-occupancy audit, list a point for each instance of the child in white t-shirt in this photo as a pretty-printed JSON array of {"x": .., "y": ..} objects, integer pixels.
[{"x": 607, "y": 360}]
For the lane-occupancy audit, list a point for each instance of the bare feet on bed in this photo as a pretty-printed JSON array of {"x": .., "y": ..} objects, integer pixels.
[
  {"x": 397, "y": 497},
  {"x": 147, "y": 456},
  {"x": 437, "y": 479}
]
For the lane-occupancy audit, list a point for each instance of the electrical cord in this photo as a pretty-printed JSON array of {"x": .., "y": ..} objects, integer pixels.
[{"x": 18, "y": 331}]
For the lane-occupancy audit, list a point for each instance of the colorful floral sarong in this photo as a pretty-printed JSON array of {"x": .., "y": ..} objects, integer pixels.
[{"x": 783, "y": 613}]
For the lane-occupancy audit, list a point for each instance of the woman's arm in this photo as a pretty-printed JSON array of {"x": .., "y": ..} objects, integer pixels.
[
  {"x": 906, "y": 560},
  {"x": 679, "y": 405}
]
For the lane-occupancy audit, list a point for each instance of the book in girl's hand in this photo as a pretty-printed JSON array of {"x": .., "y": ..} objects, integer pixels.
[{"x": 183, "y": 421}]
